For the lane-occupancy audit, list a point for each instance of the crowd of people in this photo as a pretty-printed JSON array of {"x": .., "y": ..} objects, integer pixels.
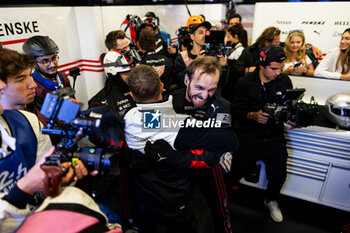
[{"x": 158, "y": 169}]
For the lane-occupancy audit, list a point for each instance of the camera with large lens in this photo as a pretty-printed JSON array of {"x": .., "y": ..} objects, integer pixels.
[
  {"x": 215, "y": 40},
  {"x": 290, "y": 107},
  {"x": 74, "y": 128},
  {"x": 183, "y": 37}
]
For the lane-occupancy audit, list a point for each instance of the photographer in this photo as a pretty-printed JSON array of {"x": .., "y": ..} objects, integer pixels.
[
  {"x": 261, "y": 138},
  {"x": 22, "y": 148},
  {"x": 197, "y": 28},
  {"x": 46, "y": 76}
]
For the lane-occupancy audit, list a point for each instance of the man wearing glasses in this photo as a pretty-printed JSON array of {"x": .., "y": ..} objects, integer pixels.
[{"x": 47, "y": 78}]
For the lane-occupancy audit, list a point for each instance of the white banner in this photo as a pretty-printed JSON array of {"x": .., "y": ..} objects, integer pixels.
[{"x": 322, "y": 22}]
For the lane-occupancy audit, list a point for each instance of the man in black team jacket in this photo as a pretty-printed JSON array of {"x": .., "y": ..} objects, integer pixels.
[
  {"x": 200, "y": 101},
  {"x": 260, "y": 137},
  {"x": 147, "y": 46},
  {"x": 116, "y": 93}
]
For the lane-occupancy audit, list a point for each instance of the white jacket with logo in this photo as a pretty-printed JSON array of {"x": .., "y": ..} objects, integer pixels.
[{"x": 136, "y": 136}]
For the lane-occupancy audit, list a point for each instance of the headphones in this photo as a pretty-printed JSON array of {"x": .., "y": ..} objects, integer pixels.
[{"x": 263, "y": 55}]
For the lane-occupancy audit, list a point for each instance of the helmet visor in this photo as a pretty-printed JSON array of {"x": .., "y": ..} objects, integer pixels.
[
  {"x": 340, "y": 111},
  {"x": 127, "y": 58}
]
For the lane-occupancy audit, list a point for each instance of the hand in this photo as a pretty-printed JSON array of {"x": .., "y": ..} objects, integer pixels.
[
  {"x": 317, "y": 52},
  {"x": 81, "y": 171},
  {"x": 301, "y": 69},
  {"x": 222, "y": 60},
  {"x": 345, "y": 76},
  {"x": 160, "y": 70},
  {"x": 261, "y": 117},
  {"x": 289, "y": 70},
  {"x": 33, "y": 181},
  {"x": 201, "y": 53},
  {"x": 158, "y": 150},
  {"x": 172, "y": 48},
  {"x": 250, "y": 69},
  {"x": 291, "y": 123}
]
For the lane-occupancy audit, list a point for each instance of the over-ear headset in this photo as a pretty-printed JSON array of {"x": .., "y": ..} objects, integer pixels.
[{"x": 265, "y": 57}]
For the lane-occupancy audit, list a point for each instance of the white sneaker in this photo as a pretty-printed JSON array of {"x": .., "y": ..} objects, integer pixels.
[{"x": 275, "y": 211}]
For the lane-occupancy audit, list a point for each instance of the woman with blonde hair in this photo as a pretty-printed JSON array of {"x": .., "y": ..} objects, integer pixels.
[
  {"x": 336, "y": 64},
  {"x": 297, "y": 61}
]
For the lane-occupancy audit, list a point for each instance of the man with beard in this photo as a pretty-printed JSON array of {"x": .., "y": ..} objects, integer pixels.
[
  {"x": 199, "y": 100},
  {"x": 47, "y": 78}
]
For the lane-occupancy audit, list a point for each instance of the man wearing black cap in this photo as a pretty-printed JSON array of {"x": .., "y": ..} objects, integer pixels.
[
  {"x": 260, "y": 138},
  {"x": 197, "y": 28}
]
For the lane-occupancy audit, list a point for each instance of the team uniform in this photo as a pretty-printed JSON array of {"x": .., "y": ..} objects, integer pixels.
[
  {"x": 115, "y": 96},
  {"x": 152, "y": 58},
  {"x": 210, "y": 181},
  {"x": 164, "y": 193}
]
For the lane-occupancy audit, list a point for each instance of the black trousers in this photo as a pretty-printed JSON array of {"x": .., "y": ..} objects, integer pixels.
[
  {"x": 212, "y": 185},
  {"x": 174, "y": 220},
  {"x": 272, "y": 153}
]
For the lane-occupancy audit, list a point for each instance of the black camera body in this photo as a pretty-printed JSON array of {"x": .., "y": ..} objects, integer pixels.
[
  {"x": 290, "y": 107},
  {"x": 183, "y": 37},
  {"x": 65, "y": 120},
  {"x": 215, "y": 40}
]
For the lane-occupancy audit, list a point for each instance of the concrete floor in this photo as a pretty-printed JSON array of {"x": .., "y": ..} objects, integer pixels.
[{"x": 249, "y": 215}]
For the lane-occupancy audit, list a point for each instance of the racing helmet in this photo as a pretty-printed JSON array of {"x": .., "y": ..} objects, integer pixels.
[
  {"x": 38, "y": 46},
  {"x": 151, "y": 21},
  {"x": 195, "y": 21},
  {"x": 153, "y": 15},
  {"x": 118, "y": 61},
  {"x": 339, "y": 109}
]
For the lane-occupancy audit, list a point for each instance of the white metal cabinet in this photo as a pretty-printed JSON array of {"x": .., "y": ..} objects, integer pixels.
[{"x": 318, "y": 166}]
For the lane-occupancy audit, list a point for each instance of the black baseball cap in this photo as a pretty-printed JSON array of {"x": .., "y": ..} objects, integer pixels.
[
  {"x": 272, "y": 53},
  {"x": 194, "y": 27}
]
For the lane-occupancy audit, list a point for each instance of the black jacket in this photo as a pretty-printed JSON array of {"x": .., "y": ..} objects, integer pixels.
[
  {"x": 251, "y": 96},
  {"x": 115, "y": 96},
  {"x": 214, "y": 106},
  {"x": 248, "y": 58},
  {"x": 152, "y": 58}
]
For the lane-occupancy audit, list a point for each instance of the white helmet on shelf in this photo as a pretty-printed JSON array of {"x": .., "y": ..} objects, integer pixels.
[{"x": 339, "y": 109}]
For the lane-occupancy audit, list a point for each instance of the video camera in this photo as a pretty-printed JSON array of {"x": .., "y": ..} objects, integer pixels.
[
  {"x": 215, "y": 40},
  {"x": 183, "y": 37},
  {"x": 291, "y": 107},
  {"x": 66, "y": 120}
]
